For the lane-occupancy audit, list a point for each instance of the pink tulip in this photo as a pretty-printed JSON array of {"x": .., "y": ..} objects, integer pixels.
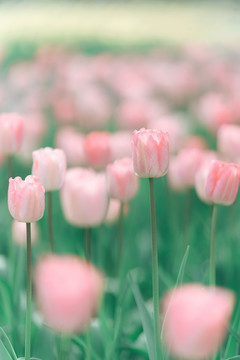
[
  {"x": 150, "y": 153},
  {"x": 183, "y": 167},
  {"x": 26, "y": 200},
  {"x": 72, "y": 143},
  {"x": 222, "y": 182},
  {"x": 68, "y": 292},
  {"x": 98, "y": 149},
  {"x": 19, "y": 233},
  {"x": 195, "y": 320},
  {"x": 84, "y": 197},
  {"x": 228, "y": 140},
  {"x": 49, "y": 165},
  {"x": 120, "y": 143},
  {"x": 11, "y": 133},
  {"x": 113, "y": 211},
  {"x": 122, "y": 181}
]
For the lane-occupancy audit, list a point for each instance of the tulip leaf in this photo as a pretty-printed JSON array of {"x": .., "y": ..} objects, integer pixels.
[
  {"x": 4, "y": 354},
  {"x": 182, "y": 267},
  {"x": 14, "y": 356},
  {"x": 234, "y": 358},
  {"x": 147, "y": 321}
]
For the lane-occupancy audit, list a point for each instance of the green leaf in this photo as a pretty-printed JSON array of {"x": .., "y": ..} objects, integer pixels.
[
  {"x": 146, "y": 318},
  {"x": 234, "y": 358},
  {"x": 235, "y": 335},
  {"x": 182, "y": 267},
  {"x": 83, "y": 346},
  {"x": 4, "y": 354},
  {"x": 14, "y": 356}
]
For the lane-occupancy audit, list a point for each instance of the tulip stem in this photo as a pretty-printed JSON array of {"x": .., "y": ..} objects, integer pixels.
[
  {"x": 29, "y": 295},
  {"x": 212, "y": 265},
  {"x": 120, "y": 236},
  {"x": 50, "y": 227},
  {"x": 64, "y": 347},
  {"x": 154, "y": 267},
  {"x": 87, "y": 241},
  {"x": 10, "y": 166}
]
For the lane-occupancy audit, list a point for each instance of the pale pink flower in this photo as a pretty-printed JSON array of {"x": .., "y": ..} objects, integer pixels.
[
  {"x": 19, "y": 234},
  {"x": 228, "y": 141},
  {"x": 11, "y": 133},
  {"x": 120, "y": 143},
  {"x": 113, "y": 211},
  {"x": 222, "y": 182},
  {"x": 98, "y": 149},
  {"x": 49, "y": 165},
  {"x": 84, "y": 197},
  {"x": 195, "y": 142},
  {"x": 195, "y": 320},
  {"x": 72, "y": 143},
  {"x": 150, "y": 153},
  {"x": 26, "y": 200},
  {"x": 121, "y": 179},
  {"x": 68, "y": 292},
  {"x": 183, "y": 167}
]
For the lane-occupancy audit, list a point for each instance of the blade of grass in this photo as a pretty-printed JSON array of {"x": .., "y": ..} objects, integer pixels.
[
  {"x": 13, "y": 354},
  {"x": 147, "y": 321}
]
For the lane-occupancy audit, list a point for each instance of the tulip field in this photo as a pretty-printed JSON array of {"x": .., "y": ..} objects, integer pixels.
[{"x": 119, "y": 179}]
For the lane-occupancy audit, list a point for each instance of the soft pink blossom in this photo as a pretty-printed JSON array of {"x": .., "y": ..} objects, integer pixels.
[
  {"x": 68, "y": 292},
  {"x": 11, "y": 133},
  {"x": 49, "y": 165},
  {"x": 228, "y": 142},
  {"x": 84, "y": 197},
  {"x": 121, "y": 179},
  {"x": 195, "y": 320},
  {"x": 150, "y": 153},
  {"x": 26, "y": 200},
  {"x": 98, "y": 149}
]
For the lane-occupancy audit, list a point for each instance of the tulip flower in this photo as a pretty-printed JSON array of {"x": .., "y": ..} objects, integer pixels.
[
  {"x": 150, "y": 153},
  {"x": 98, "y": 149},
  {"x": 195, "y": 320},
  {"x": 150, "y": 159},
  {"x": 49, "y": 165},
  {"x": 228, "y": 142},
  {"x": 26, "y": 203},
  {"x": 68, "y": 291},
  {"x": 122, "y": 181}
]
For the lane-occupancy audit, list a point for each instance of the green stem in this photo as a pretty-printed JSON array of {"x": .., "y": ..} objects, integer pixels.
[
  {"x": 87, "y": 242},
  {"x": 29, "y": 296},
  {"x": 50, "y": 227},
  {"x": 10, "y": 166},
  {"x": 120, "y": 237},
  {"x": 154, "y": 267},
  {"x": 64, "y": 347},
  {"x": 88, "y": 344},
  {"x": 212, "y": 266}
]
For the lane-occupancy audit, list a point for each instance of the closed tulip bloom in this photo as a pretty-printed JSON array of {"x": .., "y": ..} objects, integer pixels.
[
  {"x": 84, "y": 197},
  {"x": 98, "y": 149},
  {"x": 68, "y": 292},
  {"x": 11, "y": 133},
  {"x": 183, "y": 167},
  {"x": 195, "y": 320},
  {"x": 49, "y": 165},
  {"x": 26, "y": 199},
  {"x": 150, "y": 153},
  {"x": 222, "y": 182},
  {"x": 19, "y": 233},
  {"x": 122, "y": 181},
  {"x": 228, "y": 141}
]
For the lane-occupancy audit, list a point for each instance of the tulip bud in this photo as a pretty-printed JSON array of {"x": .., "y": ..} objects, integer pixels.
[
  {"x": 68, "y": 292},
  {"x": 122, "y": 182},
  {"x": 150, "y": 153},
  {"x": 196, "y": 320},
  {"x": 98, "y": 149},
  {"x": 49, "y": 165},
  {"x": 84, "y": 197},
  {"x": 26, "y": 200},
  {"x": 229, "y": 141},
  {"x": 222, "y": 183},
  {"x": 11, "y": 133}
]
